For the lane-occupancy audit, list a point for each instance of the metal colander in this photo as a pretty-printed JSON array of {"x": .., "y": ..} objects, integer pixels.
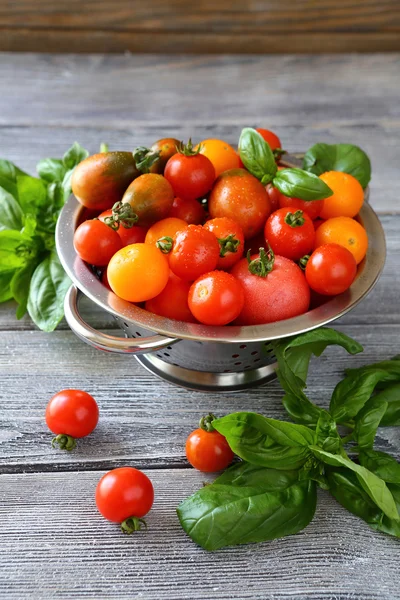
[{"x": 193, "y": 355}]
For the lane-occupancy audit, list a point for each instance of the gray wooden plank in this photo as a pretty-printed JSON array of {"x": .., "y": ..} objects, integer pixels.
[
  {"x": 25, "y": 145},
  {"x": 142, "y": 418},
  {"x": 381, "y": 306},
  {"x": 55, "y": 545}
]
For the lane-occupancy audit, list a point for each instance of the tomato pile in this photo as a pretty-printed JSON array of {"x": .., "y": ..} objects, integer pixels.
[{"x": 204, "y": 233}]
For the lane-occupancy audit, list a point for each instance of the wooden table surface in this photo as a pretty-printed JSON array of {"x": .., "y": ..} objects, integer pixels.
[{"x": 53, "y": 543}]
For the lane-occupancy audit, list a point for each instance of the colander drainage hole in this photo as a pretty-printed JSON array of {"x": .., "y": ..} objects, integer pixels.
[
  {"x": 166, "y": 354},
  {"x": 138, "y": 334},
  {"x": 237, "y": 364},
  {"x": 227, "y": 371},
  {"x": 126, "y": 324},
  {"x": 257, "y": 359},
  {"x": 248, "y": 367},
  {"x": 169, "y": 347},
  {"x": 243, "y": 346},
  {"x": 235, "y": 355},
  {"x": 254, "y": 353},
  {"x": 159, "y": 355}
]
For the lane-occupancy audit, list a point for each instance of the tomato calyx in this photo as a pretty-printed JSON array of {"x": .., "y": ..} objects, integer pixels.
[
  {"x": 188, "y": 149},
  {"x": 295, "y": 219},
  {"x": 64, "y": 442},
  {"x": 263, "y": 264},
  {"x": 132, "y": 524},
  {"x": 165, "y": 244},
  {"x": 145, "y": 158},
  {"x": 228, "y": 244},
  {"x": 278, "y": 153},
  {"x": 303, "y": 261},
  {"x": 206, "y": 422},
  {"x": 122, "y": 214}
]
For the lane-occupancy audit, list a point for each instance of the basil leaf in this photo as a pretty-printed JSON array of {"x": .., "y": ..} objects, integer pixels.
[
  {"x": 15, "y": 250},
  {"x": 255, "y": 439},
  {"x": 51, "y": 170},
  {"x": 5, "y": 285},
  {"x": 20, "y": 288},
  {"x": 66, "y": 184},
  {"x": 11, "y": 215},
  {"x": 390, "y": 395},
  {"x": 367, "y": 422},
  {"x": 375, "y": 487},
  {"x": 390, "y": 367},
  {"x": 8, "y": 177},
  {"x": 48, "y": 287},
  {"x": 74, "y": 156},
  {"x": 297, "y": 183},
  {"x": 256, "y": 155},
  {"x": 348, "y": 158},
  {"x": 326, "y": 433},
  {"x": 267, "y": 480},
  {"x": 351, "y": 394},
  {"x": 382, "y": 464},
  {"x": 225, "y": 515},
  {"x": 32, "y": 193}
]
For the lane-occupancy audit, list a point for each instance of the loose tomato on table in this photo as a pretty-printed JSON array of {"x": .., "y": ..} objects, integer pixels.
[
  {"x": 290, "y": 233},
  {"x": 230, "y": 238},
  {"x": 221, "y": 154},
  {"x": 216, "y": 298},
  {"x": 96, "y": 243},
  {"x": 270, "y": 137},
  {"x": 138, "y": 272},
  {"x": 275, "y": 288},
  {"x": 238, "y": 195},
  {"x": 344, "y": 231},
  {"x": 190, "y": 211},
  {"x": 172, "y": 302},
  {"x": 125, "y": 495},
  {"x": 331, "y": 269},
  {"x": 206, "y": 449},
  {"x": 190, "y": 174},
  {"x": 150, "y": 197},
  {"x": 71, "y": 414},
  {"x": 195, "y": 251}
]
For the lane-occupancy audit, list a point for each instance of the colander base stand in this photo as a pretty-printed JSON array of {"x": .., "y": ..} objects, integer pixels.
[{"x": 204, "y": 381}]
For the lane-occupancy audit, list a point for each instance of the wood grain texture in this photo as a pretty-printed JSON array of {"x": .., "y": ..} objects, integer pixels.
[
  {"x": 205, "y": 26},
  {"x": 143, "y": 419},
  {"x": 66, "y": 550}
]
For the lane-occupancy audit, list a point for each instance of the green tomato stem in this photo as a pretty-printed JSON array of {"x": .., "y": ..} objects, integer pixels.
[
  {"x": 295, "y": 219},
  {"x": 262, "y": 265},
  {"x": 165, "y": 244},
  {"x": 64, "y": 442},
  {"x": 133, "y": 524},
  {"x": 206, "y": 422},
  {"x": 228, "y": 244}
]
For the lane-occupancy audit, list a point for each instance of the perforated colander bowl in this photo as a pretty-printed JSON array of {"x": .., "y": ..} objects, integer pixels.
[{"x": 193, "y": 355}]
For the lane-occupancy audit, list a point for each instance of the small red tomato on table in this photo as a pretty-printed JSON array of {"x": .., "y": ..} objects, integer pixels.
[
  {"x": 125, "y": 495},
  {"x": 71, "y": 414},
  {"x": 206, "y": 449}
]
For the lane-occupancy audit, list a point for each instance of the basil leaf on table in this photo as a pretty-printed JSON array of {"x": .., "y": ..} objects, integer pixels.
[
  {"x": 390, "y": 367},
  {"x": 375, "y": 487},
  {"x": 11, "y": 215},
  {"x": 297, "y": 183},
  {"x": 266, "y": 442},
  {"x": 256, "y": 155},
  {"x": 348, "y": 158},
  {"x": 48, "y": 287},
  {"x": 390, "y": 395},
  {"x": 267, "y": 480},
  {"x": 382, "y": 464},
  {"x": 326, "y": 433},
  {"x": 224, "y": 515},
  {"x": 367, "y": 422}
]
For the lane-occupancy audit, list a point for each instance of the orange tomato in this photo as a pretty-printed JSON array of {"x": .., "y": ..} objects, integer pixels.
[
  {"x": 346, "y": 232},
  {"x": 138, "y": 272},
  {"x": 221, "y": 154},
  {"x": 165, "y": 228},
  {"x": 347, "y": 198}
]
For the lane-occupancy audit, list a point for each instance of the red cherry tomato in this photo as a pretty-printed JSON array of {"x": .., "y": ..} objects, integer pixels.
[
  {"x": 173, "y": 301},
  {"x": 195, "y": 251},
  {"x": 96, "y": 243},
  {"x": 312, "y": 208},
  {"x": 71, "y": 414},
  {"x": 331, "y": 269},
  {"x": 190, "y": 211},
  {"x": 191, "y": 175},
  {"x": 230, "y": 238},
  {"x": 270, "y": 137},
  {"x": 280, "y": 294},
  {"x": 290, "y": 233},
  {"x": 216, "y": 298},
  {"x": 128, "y": 235},
  {"x": 206, "y": 449},
  {"x": 124, "y": 494},
  {"x": 274, "y": 196}
]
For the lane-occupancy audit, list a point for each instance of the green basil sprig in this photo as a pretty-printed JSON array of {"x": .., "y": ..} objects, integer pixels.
[
  {"x": 272, "y": 492},
  {"x": 338, "y": 157},
  {"x": 256, "y": 155},
  {"x": 297, "y": 183},
  {"x": 30, "y": 271}
]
